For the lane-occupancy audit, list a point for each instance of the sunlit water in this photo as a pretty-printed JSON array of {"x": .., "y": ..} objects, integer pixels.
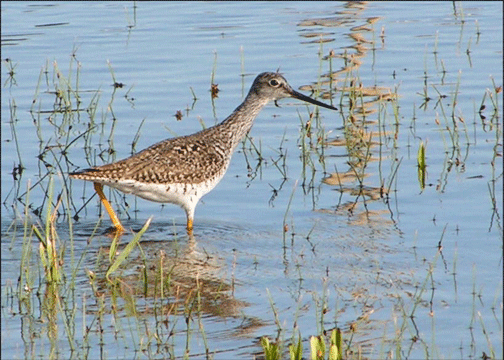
[{"x": 276, "y": 248}]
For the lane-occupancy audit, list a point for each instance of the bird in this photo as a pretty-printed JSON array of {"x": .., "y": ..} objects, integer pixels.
[{"x": 183, "y": 169}]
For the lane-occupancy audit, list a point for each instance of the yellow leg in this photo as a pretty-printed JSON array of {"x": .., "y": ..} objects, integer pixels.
[
  {"x": 115, "y": 220},
  {"x": 189, "y": 226}
]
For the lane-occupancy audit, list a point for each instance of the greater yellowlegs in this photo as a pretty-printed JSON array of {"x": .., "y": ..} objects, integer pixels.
[{"x": 183, "y": 169}]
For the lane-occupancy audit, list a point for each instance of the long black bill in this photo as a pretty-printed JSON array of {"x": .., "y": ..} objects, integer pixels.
[{"x": 302, "y": 97}]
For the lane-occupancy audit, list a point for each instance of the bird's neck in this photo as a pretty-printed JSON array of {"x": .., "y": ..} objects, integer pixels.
[{"x": 239, "y": 123}]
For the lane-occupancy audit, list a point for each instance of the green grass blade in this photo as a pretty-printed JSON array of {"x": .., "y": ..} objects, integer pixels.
[{"x": 127, "y": 250}]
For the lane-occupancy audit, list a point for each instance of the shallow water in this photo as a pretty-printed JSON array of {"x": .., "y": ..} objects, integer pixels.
[{"x": 368, "y": 259}]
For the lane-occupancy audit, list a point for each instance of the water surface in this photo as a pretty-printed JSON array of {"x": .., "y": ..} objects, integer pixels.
[{"x": 332, "y": 225}]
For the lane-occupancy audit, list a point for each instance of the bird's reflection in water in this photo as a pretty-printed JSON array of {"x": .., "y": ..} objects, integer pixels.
[{"x": 174, "y": 278}]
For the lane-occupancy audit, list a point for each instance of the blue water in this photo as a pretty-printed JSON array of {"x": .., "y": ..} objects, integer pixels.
[{"x": 355, "y": 261}]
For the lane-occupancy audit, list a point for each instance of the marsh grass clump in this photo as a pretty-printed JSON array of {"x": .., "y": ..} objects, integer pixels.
[
  {"x": 55, "y": 266},
  {"x": 50, "y": 256},
  {"x": 320, "y": 348}
]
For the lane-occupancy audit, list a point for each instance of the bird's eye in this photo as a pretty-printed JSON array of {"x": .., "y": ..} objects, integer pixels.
[{"x": 274, "y": 82}]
